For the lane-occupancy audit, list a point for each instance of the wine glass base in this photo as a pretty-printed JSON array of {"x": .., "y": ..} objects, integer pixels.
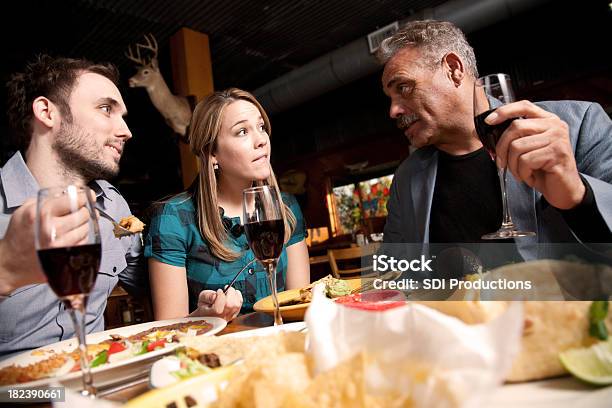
[
  {"x": 507, "y": 234},
  {"x": 89, "y": 392}
]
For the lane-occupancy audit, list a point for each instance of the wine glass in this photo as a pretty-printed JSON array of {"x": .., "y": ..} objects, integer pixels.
[
  {"x": 68, "y": 245},
  {"x": 264, "y": 226},
  {"x": 490, "y": 92}
]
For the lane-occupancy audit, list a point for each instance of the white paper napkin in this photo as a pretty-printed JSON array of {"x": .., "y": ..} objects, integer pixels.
[{"x": 463, "y": 363}]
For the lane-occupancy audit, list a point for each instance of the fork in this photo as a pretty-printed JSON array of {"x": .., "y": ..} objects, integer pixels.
[
  {"x": 117, "y": 229},
  {"x": 229, "y": 285},
  {"x": 370, "y": 284},
  {"x": 363, "y": 287}
]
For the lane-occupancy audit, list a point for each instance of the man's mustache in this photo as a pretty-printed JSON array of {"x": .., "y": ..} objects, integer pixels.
[{"x": 404, "y": 121}]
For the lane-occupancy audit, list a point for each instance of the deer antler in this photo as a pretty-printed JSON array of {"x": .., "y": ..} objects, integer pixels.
[
  {"x": 151, "y": 45},
  {"x": 137, "y": 59}
]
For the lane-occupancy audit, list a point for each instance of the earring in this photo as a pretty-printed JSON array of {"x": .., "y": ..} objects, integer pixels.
[{"x": 216, "y": 166}]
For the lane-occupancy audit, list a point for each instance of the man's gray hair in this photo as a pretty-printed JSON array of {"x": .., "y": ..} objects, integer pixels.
[{"x": 435, "y": 39}]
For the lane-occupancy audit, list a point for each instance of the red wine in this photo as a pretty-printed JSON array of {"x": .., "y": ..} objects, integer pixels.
[
  {"x": 266, "y": 238},
  {"x": 71, "y": 270},
  {"x": 490, "y": 134}
]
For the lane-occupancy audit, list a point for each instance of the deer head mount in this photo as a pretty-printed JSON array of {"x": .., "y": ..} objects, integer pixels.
[{"x": 174, "y": 108}]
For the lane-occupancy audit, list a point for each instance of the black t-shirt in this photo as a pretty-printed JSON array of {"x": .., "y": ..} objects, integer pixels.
[
  {"x": 467, "y": 203},
  {"x": 467, "y": 199}
]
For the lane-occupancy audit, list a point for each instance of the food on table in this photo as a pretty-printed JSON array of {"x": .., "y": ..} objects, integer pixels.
[
  {"x": 269, "y": 382},
  {"x": 597, "y": 319},
  {"x": 115, "y": 349},
  {"x": 230, "y": 350},
  {"x": 333, "y": 288},
  {"x": 132, "y": 223},
  {"x": 278, "y": 373},
  {"x": 378, "y": 300},
  {"x": 550, "y": 328},
  {"x": 345, "y": 386},
  {"x": 273, "y": 365},
  {"x": 591, "y": 364},
  {"x": 193, "y": 363},
  {"x": 186, "y": 363},
  {"x": 336, "y": 287},
  {"x": 55, "y": 364}
]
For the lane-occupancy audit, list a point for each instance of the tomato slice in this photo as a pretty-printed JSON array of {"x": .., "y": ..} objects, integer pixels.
[
  {"x": 378, "y": 300},
  {"x": 116, "y": 348},
  {"x": 156, "y": 344}
]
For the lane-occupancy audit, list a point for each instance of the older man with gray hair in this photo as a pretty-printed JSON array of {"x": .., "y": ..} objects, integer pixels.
[{"x": 559, "y": 154}]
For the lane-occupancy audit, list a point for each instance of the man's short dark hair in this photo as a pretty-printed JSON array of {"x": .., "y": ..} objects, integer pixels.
[{"x": 53, "y": 78}]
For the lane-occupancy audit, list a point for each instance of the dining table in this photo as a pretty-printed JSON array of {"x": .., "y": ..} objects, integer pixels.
[{"x": 558, "y": 392}]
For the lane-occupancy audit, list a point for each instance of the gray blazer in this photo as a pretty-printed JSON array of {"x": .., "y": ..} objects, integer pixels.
[{"x": 590, "y": 131}]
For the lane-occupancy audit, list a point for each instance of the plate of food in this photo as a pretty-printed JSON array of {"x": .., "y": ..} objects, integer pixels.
[
  {"x": 294, "y": 302},
  {"x": 190, "y": 361},
  {"x": 199, "y": 383},
  {"x": 275, "y": 370},
  {"x": 114, "y": 354}
]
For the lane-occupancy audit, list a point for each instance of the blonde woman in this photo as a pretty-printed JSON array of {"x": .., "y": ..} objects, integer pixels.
[{"x": 196, "y": 243}]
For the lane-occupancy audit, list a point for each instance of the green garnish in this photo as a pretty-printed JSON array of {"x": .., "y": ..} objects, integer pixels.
[
  {"x": 189, "y": 367},
  {"x": 100, "y": 359},
  {"x": 143, "y": 348},
  {"x": 597, "y": 319},
  {"x": 337, "y": 287}
]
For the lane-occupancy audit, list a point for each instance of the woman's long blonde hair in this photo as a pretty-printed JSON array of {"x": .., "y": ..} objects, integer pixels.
[{"x": 204, "y": 130}]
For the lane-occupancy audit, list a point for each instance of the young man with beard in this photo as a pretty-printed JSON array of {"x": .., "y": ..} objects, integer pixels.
[
  {"x": 68, "y": 115},
  {"x": 559, "y": 154}
]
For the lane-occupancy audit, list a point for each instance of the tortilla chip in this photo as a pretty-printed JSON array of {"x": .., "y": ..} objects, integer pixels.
[
  {"x": 342, "y": 386},
  {"x": 267, "y": 382}
]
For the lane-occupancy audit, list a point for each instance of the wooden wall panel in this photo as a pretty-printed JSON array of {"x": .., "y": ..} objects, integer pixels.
[{"x": 192, "y": 76}]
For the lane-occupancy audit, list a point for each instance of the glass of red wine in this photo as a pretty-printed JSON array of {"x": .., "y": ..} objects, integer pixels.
[
  {"x": 490, "y": 92},
  {"x": 67, "y": 239},
  {"x": 264, "y": 226}
]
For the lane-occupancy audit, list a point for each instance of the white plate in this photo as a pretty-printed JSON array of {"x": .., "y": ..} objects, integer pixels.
[
  {"x": 160, "y": 371},
  {"x": 108, "y": 373},
  {"x": 566, "y": 392},
  {"x": 266, "y": 331}
]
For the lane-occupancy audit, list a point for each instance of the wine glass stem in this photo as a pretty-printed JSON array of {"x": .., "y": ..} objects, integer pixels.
[
  {"x": 507, "y": 220},
  {"x": 77, "y": 303},
  {"x": 271, "y": 272}
]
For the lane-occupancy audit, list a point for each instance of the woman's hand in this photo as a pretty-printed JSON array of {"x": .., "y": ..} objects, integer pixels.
[
  {"x": 171, "y": 300},
  {"x": 219, "y": 304}
]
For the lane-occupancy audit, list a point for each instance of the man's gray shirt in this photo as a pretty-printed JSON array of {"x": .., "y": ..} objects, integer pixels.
[{"x": 33, "y": 316}]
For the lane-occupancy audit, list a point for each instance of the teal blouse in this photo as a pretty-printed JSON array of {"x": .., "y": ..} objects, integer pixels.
[{"x": 174, "y": 239}]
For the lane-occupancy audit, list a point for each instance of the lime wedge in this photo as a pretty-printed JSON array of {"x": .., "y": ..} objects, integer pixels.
[{"x": 591, "y": 364}]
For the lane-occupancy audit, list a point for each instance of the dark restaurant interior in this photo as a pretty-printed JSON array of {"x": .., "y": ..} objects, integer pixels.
[
  {"x": 473, "y": 268},
  {"x": 331, "y": 129}
]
